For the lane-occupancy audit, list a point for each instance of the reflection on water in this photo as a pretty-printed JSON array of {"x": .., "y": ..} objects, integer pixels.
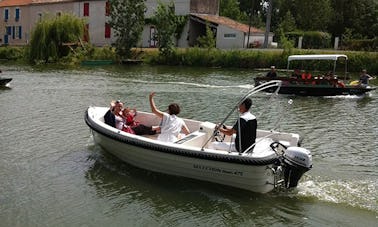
[{"x": 52, "y": 174}]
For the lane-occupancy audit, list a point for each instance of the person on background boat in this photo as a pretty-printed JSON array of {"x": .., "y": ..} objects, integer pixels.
[
  {"x": 272, "y": 73},
  {"x": 306, "y": 75},
  {"x": 296, "y": 74},
  {"x": 171, "y": 125},
  {"x": 248, "y": 129},
  {"x": 364, "y": 78}
]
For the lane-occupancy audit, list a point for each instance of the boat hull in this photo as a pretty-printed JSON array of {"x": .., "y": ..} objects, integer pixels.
[
  {"x": 319, "y": 91},
  {"x": 5, "y": 81},
  {"x": 301, "y": 87},
  {"x": 256, "y": 178}
]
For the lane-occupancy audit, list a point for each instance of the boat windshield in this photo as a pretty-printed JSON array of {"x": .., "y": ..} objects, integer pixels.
[{"x": 261, "y": 87}]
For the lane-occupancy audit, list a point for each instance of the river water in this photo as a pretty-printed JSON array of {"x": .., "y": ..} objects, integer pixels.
[{"x": 52, "y": 174}]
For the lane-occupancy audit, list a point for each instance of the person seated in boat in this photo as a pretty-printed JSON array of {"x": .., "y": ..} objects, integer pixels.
[
  {"x": 129, "y": 115},
  {"x": 306, "y": 75},
  {"x": 171, "y": 125},
  {"x": 272, "y": 73},
  {"x": 296, "y": 74},
  {"x": 364, "y": 78},
  {"x": 134, "y": 127},
  {"x": 109, "y": 117},
  {"x": 113, "y": 116},
  {"x": 248, "y": 130}
]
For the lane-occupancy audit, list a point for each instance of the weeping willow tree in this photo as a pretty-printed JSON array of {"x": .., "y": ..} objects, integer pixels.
[{"x": 51, "y": 33}]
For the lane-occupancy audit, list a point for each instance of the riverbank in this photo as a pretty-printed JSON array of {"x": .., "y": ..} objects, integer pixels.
[
  {"x": 236, "y": 58},
  {"x": 258, "y": 58}
]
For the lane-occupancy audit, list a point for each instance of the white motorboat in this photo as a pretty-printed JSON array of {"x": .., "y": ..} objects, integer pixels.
[{"x": 276, "y": 161}]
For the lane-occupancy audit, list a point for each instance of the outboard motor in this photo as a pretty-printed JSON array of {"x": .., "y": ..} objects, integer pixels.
[{"x": 297, "y": 161}]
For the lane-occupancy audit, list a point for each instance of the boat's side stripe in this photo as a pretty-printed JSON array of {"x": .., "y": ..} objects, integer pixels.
[{"x": 182, "y": 152}]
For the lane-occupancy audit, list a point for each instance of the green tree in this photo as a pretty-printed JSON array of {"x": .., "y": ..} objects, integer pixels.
[
  {"x": 166, "y": 27},
  {"x": 50, "y": 34},
  {"x": 359, "y": 18},
  {"x": 208, "y": 40},
  {"x": 230, "y": 9},
  {"x": 127, "y": 20},
  {"x": 313, "y": 15},
  {"x": 288, "y": 23}
]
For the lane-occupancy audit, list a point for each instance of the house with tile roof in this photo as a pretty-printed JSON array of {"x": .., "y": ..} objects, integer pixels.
[
  {"x": 229, "y": 33},
  {"x": 20, "y": 16}
]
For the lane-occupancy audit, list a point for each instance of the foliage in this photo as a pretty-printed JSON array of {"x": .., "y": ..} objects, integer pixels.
[
  {"x": 230, "y": 8},
  {"x": 333, "y": 16},
  {"x": 311, "y": 39},
  {"x": 50, "y": 35},
  {"x": 260, "y": 59},
  {"x": 90, "y": 52},
  {"x": 286, "y": 44},
  {"x": 180, "y": 22},
  {"x": 11, "y": 53},
  {"x": 165, "y": 22},
  {"x": 316, "y": 40},
  {"x": 208, "y": 40},
  {"x": 127, "y": 20},
  {"x": 360, "y": 17},
  {"x": 313, "y": 15},
  {"x": 361, "y": 44},
  {"x": 288, "y": 23}
]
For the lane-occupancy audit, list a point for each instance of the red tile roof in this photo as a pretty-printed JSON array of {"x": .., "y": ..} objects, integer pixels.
[
  {"x": 7, "y": 3},
  {"x": 227, "y": 22}
]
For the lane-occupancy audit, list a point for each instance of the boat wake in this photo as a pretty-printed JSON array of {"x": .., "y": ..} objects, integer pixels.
[
  {"x": 359, "y": 194},
  {"x": 349, "y": 96},
  {"x": 243, "y": 86}
]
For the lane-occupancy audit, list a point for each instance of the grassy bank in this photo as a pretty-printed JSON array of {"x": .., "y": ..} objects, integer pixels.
[
  {"x": 250, "y": 58},
  {"x": 259, "y": 59}
]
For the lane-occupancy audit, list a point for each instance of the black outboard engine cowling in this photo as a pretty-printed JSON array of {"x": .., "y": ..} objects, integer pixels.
[{"x": 297, "y": 161}]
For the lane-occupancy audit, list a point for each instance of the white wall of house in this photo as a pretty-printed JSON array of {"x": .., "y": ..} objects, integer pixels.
[
  {"x": 97, "y": 19},
  {"x": 182, "y": 7},
  {"x": 228, "y": 38},
  {"x": 257, "y": 38}
]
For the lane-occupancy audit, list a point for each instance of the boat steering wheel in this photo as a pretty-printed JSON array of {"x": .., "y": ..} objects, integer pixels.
[{"x": 275, "y": 145}]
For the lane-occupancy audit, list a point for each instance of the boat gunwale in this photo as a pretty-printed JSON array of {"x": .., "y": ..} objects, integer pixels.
[{"x": 174, "y": 150}]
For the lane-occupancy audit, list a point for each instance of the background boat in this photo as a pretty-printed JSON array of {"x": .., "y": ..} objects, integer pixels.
[
  {"x": 96, "y": 62},
  {"x": 5, "y": 81}
]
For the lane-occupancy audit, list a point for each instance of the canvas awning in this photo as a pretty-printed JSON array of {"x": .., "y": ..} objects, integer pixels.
[{"x": 333, "y": 57}]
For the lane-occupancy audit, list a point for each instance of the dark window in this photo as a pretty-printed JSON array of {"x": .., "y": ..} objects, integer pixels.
[
  {"x": 9, "y": 30},
  {"x": 86, "y": 9},
  {"x": 17, "y": 14},
  {"x": 107, "y": 30},
  {"x": 6, "y": 14},
  {"x": 19, "y": 32},
  {"x": 107, "y": 8}
]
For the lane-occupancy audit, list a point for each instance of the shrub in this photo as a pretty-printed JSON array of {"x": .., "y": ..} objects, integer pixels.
[
  {"x": 311, "y": 39},
  {"x": 360, "y": 44}
]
